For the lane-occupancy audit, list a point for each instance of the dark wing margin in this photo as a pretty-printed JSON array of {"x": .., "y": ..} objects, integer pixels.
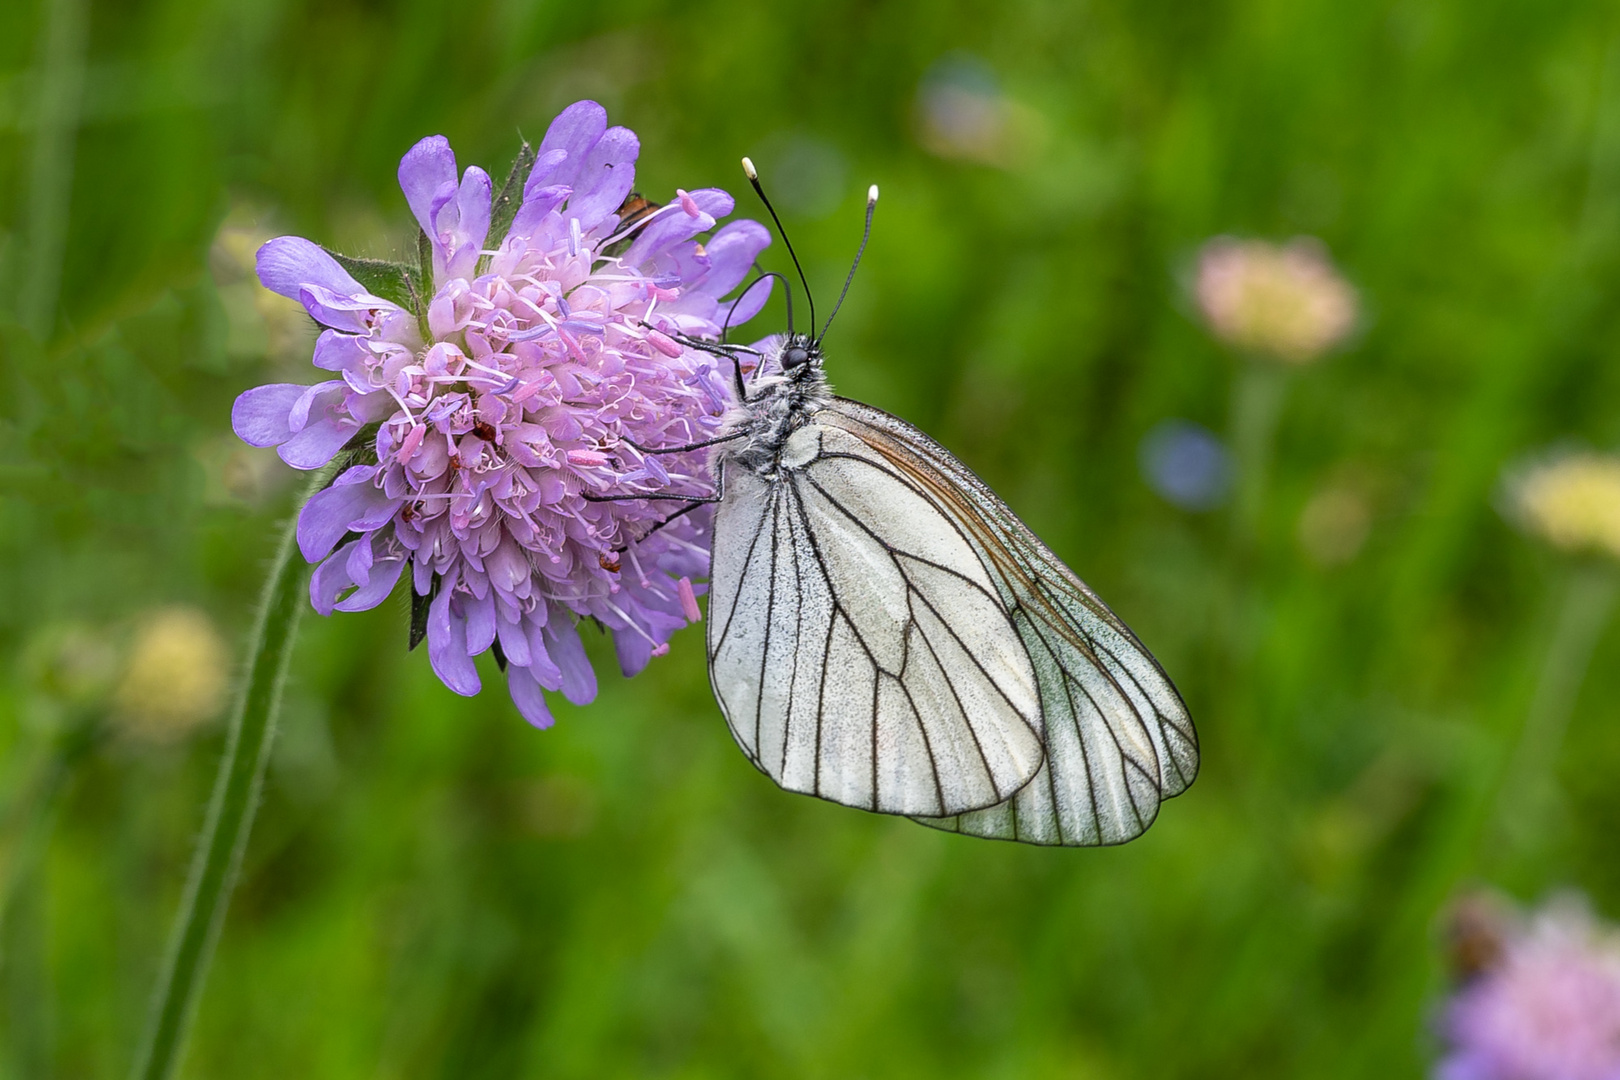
[{"x": 1118, "y": 737}]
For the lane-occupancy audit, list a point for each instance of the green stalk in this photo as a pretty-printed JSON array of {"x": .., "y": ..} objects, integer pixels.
[
  {"x": 22, "y": 904},
  {"x": 50, "y": 186},
  {"x": 1527, "y": 795},
  {"x": 1257, "y": 399},
  {"x": 230, "y": 811}
]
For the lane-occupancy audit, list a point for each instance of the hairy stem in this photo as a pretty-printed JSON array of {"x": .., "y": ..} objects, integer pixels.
[{"x": 230, "y": 811}]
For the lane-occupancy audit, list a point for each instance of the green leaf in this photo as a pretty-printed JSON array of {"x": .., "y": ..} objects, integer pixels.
[
  {"x": 391, "y": 281},
  {"x": 506, "y": 203},
  {"x": 424, "y": 261},
  {"x": 419, "y": 612}
]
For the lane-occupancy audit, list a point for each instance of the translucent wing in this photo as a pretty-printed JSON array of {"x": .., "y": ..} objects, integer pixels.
[
  {"x": 1118, "y": 737},
  {"x": 857, "y": 646}
]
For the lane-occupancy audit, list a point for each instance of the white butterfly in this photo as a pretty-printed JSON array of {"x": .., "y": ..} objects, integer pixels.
[{"x": 885, "y": 633}]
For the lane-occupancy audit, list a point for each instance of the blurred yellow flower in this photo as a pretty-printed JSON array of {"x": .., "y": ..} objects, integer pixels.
[
  {"x": 1334, "y": 525},
  {"x": 1283, "y": 301},
  {"x": 1572, "y": 501},
  {"x": 176, "y": 676}
]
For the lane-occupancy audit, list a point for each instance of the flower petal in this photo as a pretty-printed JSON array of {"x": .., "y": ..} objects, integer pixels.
[
  {"x": 332, "y": 577},
  {"x": 259, "y": 416},
  {"x": 464, "y": 239},
  {"x": 514, "y": 643},
  {"x": 537, "y": 203},
  {"x": 317, "y": 400},
  {"x": 337, "y": 351},
  {"x": 339, "y": 311},
  {"x": 384, "y": 575},
  {"x": 528, "y": 697},
  {"x": 540, "y": 665},
  {"x": 732, "y": 253},
  {"x": 577, "y": 129},
  {"x": 608, "y": 175},
  {"x": 634, "y": 651},
  {"x": 425, "y": 168},
  {"x": 673, "y": 224},
  {"x": 353, "y": 500},
  {"x": 288, "y": 264},
  {"x": 749, "y": 303},
  {"x": 318, "y": 443},
  {"x": 568, "y": 653},
  {"x": 480, "y": 621},
  {"x": 447, "y": 645}
]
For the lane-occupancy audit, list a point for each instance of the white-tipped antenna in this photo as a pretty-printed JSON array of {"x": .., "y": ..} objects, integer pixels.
[
  {"x": 753, "y": 178},
  {"x": 866, "y": 234}
]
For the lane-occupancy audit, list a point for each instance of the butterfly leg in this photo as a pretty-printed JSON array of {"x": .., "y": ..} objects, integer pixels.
[
  {"x": 676, "y": 516},
  {"x": 692, "y": 503},
  {"x": 728, "y": 351},
  {"x": 682, "y": 449}
]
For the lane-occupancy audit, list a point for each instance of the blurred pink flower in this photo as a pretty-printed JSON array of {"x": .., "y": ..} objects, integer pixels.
[
  {"x": 1286, "y": 301},
  {"x": 1546, "y": 1006}
]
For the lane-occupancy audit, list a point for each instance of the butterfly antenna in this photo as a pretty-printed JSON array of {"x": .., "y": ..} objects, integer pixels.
[
  {"x": 753, "y": 178},
  {"x": 871, "y": 205},
  {"x": 787, "y": 292}
]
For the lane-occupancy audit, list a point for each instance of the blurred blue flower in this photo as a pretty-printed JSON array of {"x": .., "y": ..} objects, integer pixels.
[
  {"x": 1187, "y": 464},
  {"x": 963, "y": 114}
]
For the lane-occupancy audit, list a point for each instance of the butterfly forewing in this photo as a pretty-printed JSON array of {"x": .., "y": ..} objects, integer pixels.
[
  {"x": 1118, "y": 738},
  {"x": 857, "y": 646}
]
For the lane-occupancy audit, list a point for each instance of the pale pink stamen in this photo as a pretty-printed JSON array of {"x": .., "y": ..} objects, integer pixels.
[
  {"x": 663, "y": 343},
  {"x": 689, "y": 604}
]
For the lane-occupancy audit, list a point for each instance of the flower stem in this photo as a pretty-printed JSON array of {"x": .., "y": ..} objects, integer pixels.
[
  {"x": 1524, "y": 799},
  {"x": 1257, "y": 400},
  {"x": 230, "y": 811}
]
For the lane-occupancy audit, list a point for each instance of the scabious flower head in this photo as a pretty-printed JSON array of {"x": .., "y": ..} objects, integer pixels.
[
  {"x": 1545, "y": 1007},
  {"x": 1571, "y": 500},
  {"x": 1286, "y": 302},
  {"x": 520, "y": 380}
]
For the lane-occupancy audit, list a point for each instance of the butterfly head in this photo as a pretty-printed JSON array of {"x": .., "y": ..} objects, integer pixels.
[{"x": 800, "y": 355}]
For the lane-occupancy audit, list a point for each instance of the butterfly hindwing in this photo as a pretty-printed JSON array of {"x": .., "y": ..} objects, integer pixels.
[{"x": 1117, "y": 736}]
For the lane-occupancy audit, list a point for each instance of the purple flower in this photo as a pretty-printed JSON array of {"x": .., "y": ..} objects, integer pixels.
[
  {"x": 516, "y": 389},
  {"x": 1547, "y": 1006}
]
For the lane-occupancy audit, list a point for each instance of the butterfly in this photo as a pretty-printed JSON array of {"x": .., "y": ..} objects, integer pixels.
[{"x": 885, "y": 633}]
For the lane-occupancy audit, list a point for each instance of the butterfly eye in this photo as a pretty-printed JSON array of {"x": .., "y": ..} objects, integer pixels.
[{"x": 797, "y": 356}]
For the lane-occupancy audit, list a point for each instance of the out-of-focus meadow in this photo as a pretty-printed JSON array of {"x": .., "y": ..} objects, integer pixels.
[{"x": 1386, "y": 675}]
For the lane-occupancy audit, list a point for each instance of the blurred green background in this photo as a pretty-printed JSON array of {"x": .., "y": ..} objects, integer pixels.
[{"x": 436, "y": 890}]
